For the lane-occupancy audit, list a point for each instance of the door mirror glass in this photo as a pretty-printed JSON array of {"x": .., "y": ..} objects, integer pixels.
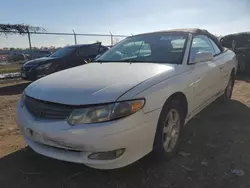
[{"x": 202, "y": 57}]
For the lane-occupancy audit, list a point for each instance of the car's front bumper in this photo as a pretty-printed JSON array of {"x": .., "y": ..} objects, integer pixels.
[
  {"x": 31, "y": 75},
  {"x": 57, "y": 138},
  {"x": 28, "y": 76}
]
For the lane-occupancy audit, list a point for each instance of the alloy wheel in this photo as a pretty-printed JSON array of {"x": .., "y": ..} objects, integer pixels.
[{"x": 171, "y": 130}]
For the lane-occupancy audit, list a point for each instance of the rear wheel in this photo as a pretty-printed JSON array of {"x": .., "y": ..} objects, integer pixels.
[
  {"x": 169, "y": 129},
  {"x": 229, "y": 90}
]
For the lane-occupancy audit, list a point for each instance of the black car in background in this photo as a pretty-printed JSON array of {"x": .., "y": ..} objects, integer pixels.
[
  {"x": 64, "y": 58},
  {"x": 240, "y": 44},
  {"x": 16, "y": 56}
]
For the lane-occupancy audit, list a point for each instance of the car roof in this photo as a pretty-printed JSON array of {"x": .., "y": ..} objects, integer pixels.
[
  {"x": 241, "y": 39},
  {"x": 82, "y": 45},
  {"x": 184, "y": 30},
  {"x": 194, "y": 31},
  {"x": 237, "y": 34}
]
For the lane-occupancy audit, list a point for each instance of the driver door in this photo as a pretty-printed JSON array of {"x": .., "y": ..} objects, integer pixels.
[{"x": 206, "y": 82}]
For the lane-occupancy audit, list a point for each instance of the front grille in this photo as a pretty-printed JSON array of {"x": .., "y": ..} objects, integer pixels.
[{"x": 47, "y": 110}]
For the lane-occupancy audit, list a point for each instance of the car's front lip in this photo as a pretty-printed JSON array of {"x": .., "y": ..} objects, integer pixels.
[
  {"x": 134, "y": 133},
  {"x": 32, "y": 73},
  {"x": 29, "y": 74}
]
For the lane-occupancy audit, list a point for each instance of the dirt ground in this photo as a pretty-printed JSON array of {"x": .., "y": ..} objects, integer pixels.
[{"x": 215, "y": 153}]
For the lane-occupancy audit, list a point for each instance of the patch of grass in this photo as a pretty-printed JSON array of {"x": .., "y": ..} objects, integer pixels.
[{"x": 9, "y": 70}]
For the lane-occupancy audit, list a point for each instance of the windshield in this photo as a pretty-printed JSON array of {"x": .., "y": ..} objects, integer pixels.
[
  {"x": 63, "y": 52},
  {"x": 153, "y": 47}
]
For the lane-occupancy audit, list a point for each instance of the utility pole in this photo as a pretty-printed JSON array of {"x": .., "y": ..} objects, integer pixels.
[
  {"x": 74, "y": 36},
  {"x": 111, "y": 39},
  {"x": 29, "y": 42}
]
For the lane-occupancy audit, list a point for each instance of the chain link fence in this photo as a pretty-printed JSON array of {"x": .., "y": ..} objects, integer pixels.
[
  {"x": 46, "y": 40},
  {"x": 15, "y": 48}
]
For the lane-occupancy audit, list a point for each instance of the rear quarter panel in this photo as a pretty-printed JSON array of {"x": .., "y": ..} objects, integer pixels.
[
  {"x": 230, "y": 59},
  {"x": 230, "y": 63}
]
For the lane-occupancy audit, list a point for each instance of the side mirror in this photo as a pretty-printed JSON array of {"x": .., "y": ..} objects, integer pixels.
[{"x": 202, "y": 57}]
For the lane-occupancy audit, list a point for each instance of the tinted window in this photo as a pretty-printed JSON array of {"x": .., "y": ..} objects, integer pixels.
[
  {"x": 178, "y": 43},
  {"x": 200, "y": 43},
  {"x": 63, "y": 52},
  {"x": 45, "y": 52},
  {"x": 103, "y": 49},
  {"x": 88, "y": 50},
  {"x": 216, "y": 48},
  {"x": 155, "y": 48}
]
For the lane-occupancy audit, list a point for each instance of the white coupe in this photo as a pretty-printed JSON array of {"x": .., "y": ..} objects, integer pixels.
[{"x": 133, "y": 100}]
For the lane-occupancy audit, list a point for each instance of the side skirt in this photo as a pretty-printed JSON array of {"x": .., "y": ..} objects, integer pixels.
[{"x": 204, "y": 105}]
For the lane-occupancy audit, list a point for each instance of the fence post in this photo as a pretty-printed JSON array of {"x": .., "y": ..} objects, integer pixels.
[
  {"x": 74, "y": 36},
  {"x": 29, "y": 43},
  {"x": 111, "y": 38}
]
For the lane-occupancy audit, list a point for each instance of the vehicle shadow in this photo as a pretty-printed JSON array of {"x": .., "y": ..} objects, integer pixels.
[
  {"x": 213, "y": 142},
  {"x": 13, "y": 89}
]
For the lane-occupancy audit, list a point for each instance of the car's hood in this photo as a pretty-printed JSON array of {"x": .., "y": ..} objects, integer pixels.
[
  {"x": 94, "y": 83},
  {"x": 39, "y": 61}
]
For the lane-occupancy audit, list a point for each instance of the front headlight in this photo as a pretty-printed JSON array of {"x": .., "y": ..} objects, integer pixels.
[
  {"x": 44, "y": 66},
  {"x": 107, "y": 112}
]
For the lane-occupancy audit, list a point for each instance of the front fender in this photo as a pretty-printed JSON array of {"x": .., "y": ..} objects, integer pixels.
[{"x": 156, "y": 92}]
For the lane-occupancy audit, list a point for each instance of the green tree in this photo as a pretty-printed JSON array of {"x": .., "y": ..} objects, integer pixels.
[{"x": 19, "y": 28}]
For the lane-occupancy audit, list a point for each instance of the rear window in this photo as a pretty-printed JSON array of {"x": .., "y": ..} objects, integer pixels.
[
  {"x": 88, "y": 50},
  {"x": 178, "y": 43},
  {"x": 239, "y": 40},
  {"x": 63, "y": 52}
]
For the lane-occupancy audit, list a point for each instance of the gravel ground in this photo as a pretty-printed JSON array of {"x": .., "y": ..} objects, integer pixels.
[{"x": 214, "y": 153}]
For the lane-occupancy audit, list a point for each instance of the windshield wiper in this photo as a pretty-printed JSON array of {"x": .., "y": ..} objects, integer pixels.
[
  {"x": 131, "y": 61},
  {"x": 100, "y": 61},
  {"x": 123, "y": 60}
]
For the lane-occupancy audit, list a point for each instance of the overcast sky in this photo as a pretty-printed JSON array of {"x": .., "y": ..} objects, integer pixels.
[{"x": 120, "y": 17}]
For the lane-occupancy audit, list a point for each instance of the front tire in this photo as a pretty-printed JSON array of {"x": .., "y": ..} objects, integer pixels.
[{"x": 168, "y": 130}]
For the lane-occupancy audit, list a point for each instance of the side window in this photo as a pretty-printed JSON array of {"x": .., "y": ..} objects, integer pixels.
[
  {"x": 216, "y": 48},
  {"x": 200, "y": 43},
  {"x": 102, "y": 49},
  {"x": 87, "y": 51}
]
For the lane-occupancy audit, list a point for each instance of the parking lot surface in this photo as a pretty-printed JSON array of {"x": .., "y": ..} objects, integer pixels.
[{"x": 215, "y": 152}]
